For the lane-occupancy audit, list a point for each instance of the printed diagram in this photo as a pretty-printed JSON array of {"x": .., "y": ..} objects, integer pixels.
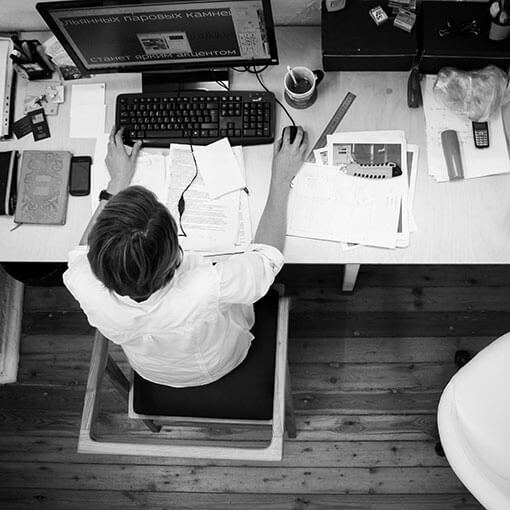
[
  {"x": 165, "y": 43},
  {"x": 366, "y": 153}
]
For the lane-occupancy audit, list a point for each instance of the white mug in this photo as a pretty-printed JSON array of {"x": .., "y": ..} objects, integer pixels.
[{"x": 306, "y": 92}]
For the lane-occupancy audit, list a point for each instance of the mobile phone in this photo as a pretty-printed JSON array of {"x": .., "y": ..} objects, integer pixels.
[
  {"x": 79, "y": 180},
  {"x": 481, "y": 134}
]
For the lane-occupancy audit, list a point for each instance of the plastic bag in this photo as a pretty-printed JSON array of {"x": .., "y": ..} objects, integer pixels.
[{"x": 474, "y": 94}]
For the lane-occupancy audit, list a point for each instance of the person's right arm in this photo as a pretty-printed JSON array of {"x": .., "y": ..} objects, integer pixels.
[
  {"x": 287, "y": 160},
  {"x": 246, "y": 277}
]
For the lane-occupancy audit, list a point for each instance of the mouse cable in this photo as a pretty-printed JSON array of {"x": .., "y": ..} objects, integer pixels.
[
  {"x": 257, "y": 74},
  {"x": 181, "y": 204}
]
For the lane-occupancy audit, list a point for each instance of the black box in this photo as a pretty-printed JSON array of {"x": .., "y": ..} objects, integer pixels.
[
  {"x": 462, "y": 51},
  {"x": 351, "y": 41}
]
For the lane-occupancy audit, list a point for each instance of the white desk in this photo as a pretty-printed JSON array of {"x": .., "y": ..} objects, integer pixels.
[{"x": 466, "y": 222}]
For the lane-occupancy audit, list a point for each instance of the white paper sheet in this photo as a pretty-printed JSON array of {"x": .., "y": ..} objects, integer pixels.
[
  {"x": 210, "y": 225},
  {"x": 245, "y": 234},
  {"x": 476, "y": 162},
  {"x": 327, "y": 204},
  {"x": 219, "y": 168},
  {"x": 88, "y": 111},
  {"x": 87, "y": 94},
  {"x": 87, "y": 121}
]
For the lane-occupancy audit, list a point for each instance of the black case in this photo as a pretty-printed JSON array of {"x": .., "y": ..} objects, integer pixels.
[
  {"x": 8, "y": 181},
  {"x": 461, "y": 51},
  {"x": 351, "y": 41}
]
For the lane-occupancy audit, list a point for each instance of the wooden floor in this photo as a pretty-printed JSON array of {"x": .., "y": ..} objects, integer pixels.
[{"x": 367, "y": 371}]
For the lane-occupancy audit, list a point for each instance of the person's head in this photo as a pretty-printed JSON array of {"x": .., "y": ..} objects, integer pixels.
[{"x": 133, "y": 246}]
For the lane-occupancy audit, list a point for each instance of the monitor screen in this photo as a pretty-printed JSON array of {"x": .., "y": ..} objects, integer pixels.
[{"x": 137, "y": 35}]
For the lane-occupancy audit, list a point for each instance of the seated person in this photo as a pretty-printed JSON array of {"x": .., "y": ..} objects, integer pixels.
[{"x": 181, "y": 320}]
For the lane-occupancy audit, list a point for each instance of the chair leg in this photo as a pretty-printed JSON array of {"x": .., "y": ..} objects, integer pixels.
[
  {"x": 290, "y": 417},
  {"x": 462, "y": 358},
  {"x": 121, "y": 384},
  {"x": 117, "y": 377}
]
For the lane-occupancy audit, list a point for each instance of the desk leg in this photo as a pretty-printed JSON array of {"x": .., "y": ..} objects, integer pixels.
[
  {"x": 11, "y": 311},
  {"x": 350, "y": 275}
]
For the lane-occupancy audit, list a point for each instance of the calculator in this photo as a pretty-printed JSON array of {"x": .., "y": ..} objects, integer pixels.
[{"x": 481, "y": 134}]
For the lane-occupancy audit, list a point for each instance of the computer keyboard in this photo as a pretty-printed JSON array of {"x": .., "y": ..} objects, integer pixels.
[{"x": 197, "y": 117}]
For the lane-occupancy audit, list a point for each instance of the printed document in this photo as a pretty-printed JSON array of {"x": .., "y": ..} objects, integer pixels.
[
  {"x": 206, "y": 225},
  {"x": 327, "y": 204}
]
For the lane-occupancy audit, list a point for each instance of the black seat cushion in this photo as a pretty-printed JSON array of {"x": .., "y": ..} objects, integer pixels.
[{"x": 246, "y": 393}]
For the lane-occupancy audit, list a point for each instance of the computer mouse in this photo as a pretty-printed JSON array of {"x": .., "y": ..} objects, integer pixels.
[{"x": 292, "y": 132}]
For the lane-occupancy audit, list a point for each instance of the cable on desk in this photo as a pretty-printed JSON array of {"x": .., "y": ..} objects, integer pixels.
[{"x": 181, "y": 204}]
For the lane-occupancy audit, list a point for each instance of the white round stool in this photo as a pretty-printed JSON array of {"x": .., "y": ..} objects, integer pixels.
[{"x": 474, "y": 424}]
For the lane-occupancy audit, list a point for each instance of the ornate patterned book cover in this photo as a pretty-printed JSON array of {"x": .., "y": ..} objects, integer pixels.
[{"x": 42, "y": 194}]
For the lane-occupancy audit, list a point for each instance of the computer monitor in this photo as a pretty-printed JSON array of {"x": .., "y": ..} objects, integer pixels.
[{"x": 103, "y": 36}]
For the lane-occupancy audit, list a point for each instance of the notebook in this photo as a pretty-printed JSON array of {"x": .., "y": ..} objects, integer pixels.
[{"x": 43, "y": 184}]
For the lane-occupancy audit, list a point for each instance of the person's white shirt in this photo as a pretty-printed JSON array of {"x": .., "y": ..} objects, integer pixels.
[{"x": 194, "y": 330}]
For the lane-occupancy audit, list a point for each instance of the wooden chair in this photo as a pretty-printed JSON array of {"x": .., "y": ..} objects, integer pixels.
[{"x": 250, "y": 395}]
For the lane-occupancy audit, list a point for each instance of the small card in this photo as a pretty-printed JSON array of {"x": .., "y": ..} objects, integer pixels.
[
  {"x": 22, "y": 127},
  {"x": 405, "y": 20},
  {"x": 378, "y": 15},
  {"x": 40, "y": 128}
]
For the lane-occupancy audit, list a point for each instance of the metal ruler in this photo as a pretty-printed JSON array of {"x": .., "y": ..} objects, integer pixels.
[{"x": 333, "y": 123}]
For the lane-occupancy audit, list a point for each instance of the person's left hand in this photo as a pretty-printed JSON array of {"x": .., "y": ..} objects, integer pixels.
[{"x": 120, "y": 164}]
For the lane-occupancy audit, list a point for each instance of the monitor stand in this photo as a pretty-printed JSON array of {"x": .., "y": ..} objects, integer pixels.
[{"x": 164, "y": 81}]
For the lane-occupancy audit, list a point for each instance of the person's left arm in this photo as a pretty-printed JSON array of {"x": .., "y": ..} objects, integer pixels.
[{"x": 121, "y": 167}]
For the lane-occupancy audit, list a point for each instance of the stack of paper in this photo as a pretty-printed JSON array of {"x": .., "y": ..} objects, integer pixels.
[
  {"x": 88, "y": 110},
  {"x": 475, "y": 162},
  {"x": 326, "y": 203},
  {"x": 6, "y": 80},
  {"x": 216, "y": 218}
]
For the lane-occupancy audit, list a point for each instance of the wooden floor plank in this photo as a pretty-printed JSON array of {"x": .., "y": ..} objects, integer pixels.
[
  {"x": 382, "y": 350},
  {"x": 274, "y": 480},
  {"x": 310, "y": 427},
  {"x": 328, "y": 377},
  {"x": 32, "y": 397},
  {"x": 403, "y": 299},
  {"x": 134, "y": 500},
  {"x": 298, "y": 453},
  {"x": 399, "y": 324}
]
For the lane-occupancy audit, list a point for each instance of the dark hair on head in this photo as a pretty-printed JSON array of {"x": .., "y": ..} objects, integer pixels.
[{"x": 133, "y": 246}]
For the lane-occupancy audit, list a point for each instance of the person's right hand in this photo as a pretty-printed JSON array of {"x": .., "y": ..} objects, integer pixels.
[
  {"x": 288, "y": 157},
  {"x": 120, "y": 164}
]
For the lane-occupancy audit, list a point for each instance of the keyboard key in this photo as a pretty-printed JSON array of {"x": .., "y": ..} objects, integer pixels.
[{"x": 167, "y": 133}]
